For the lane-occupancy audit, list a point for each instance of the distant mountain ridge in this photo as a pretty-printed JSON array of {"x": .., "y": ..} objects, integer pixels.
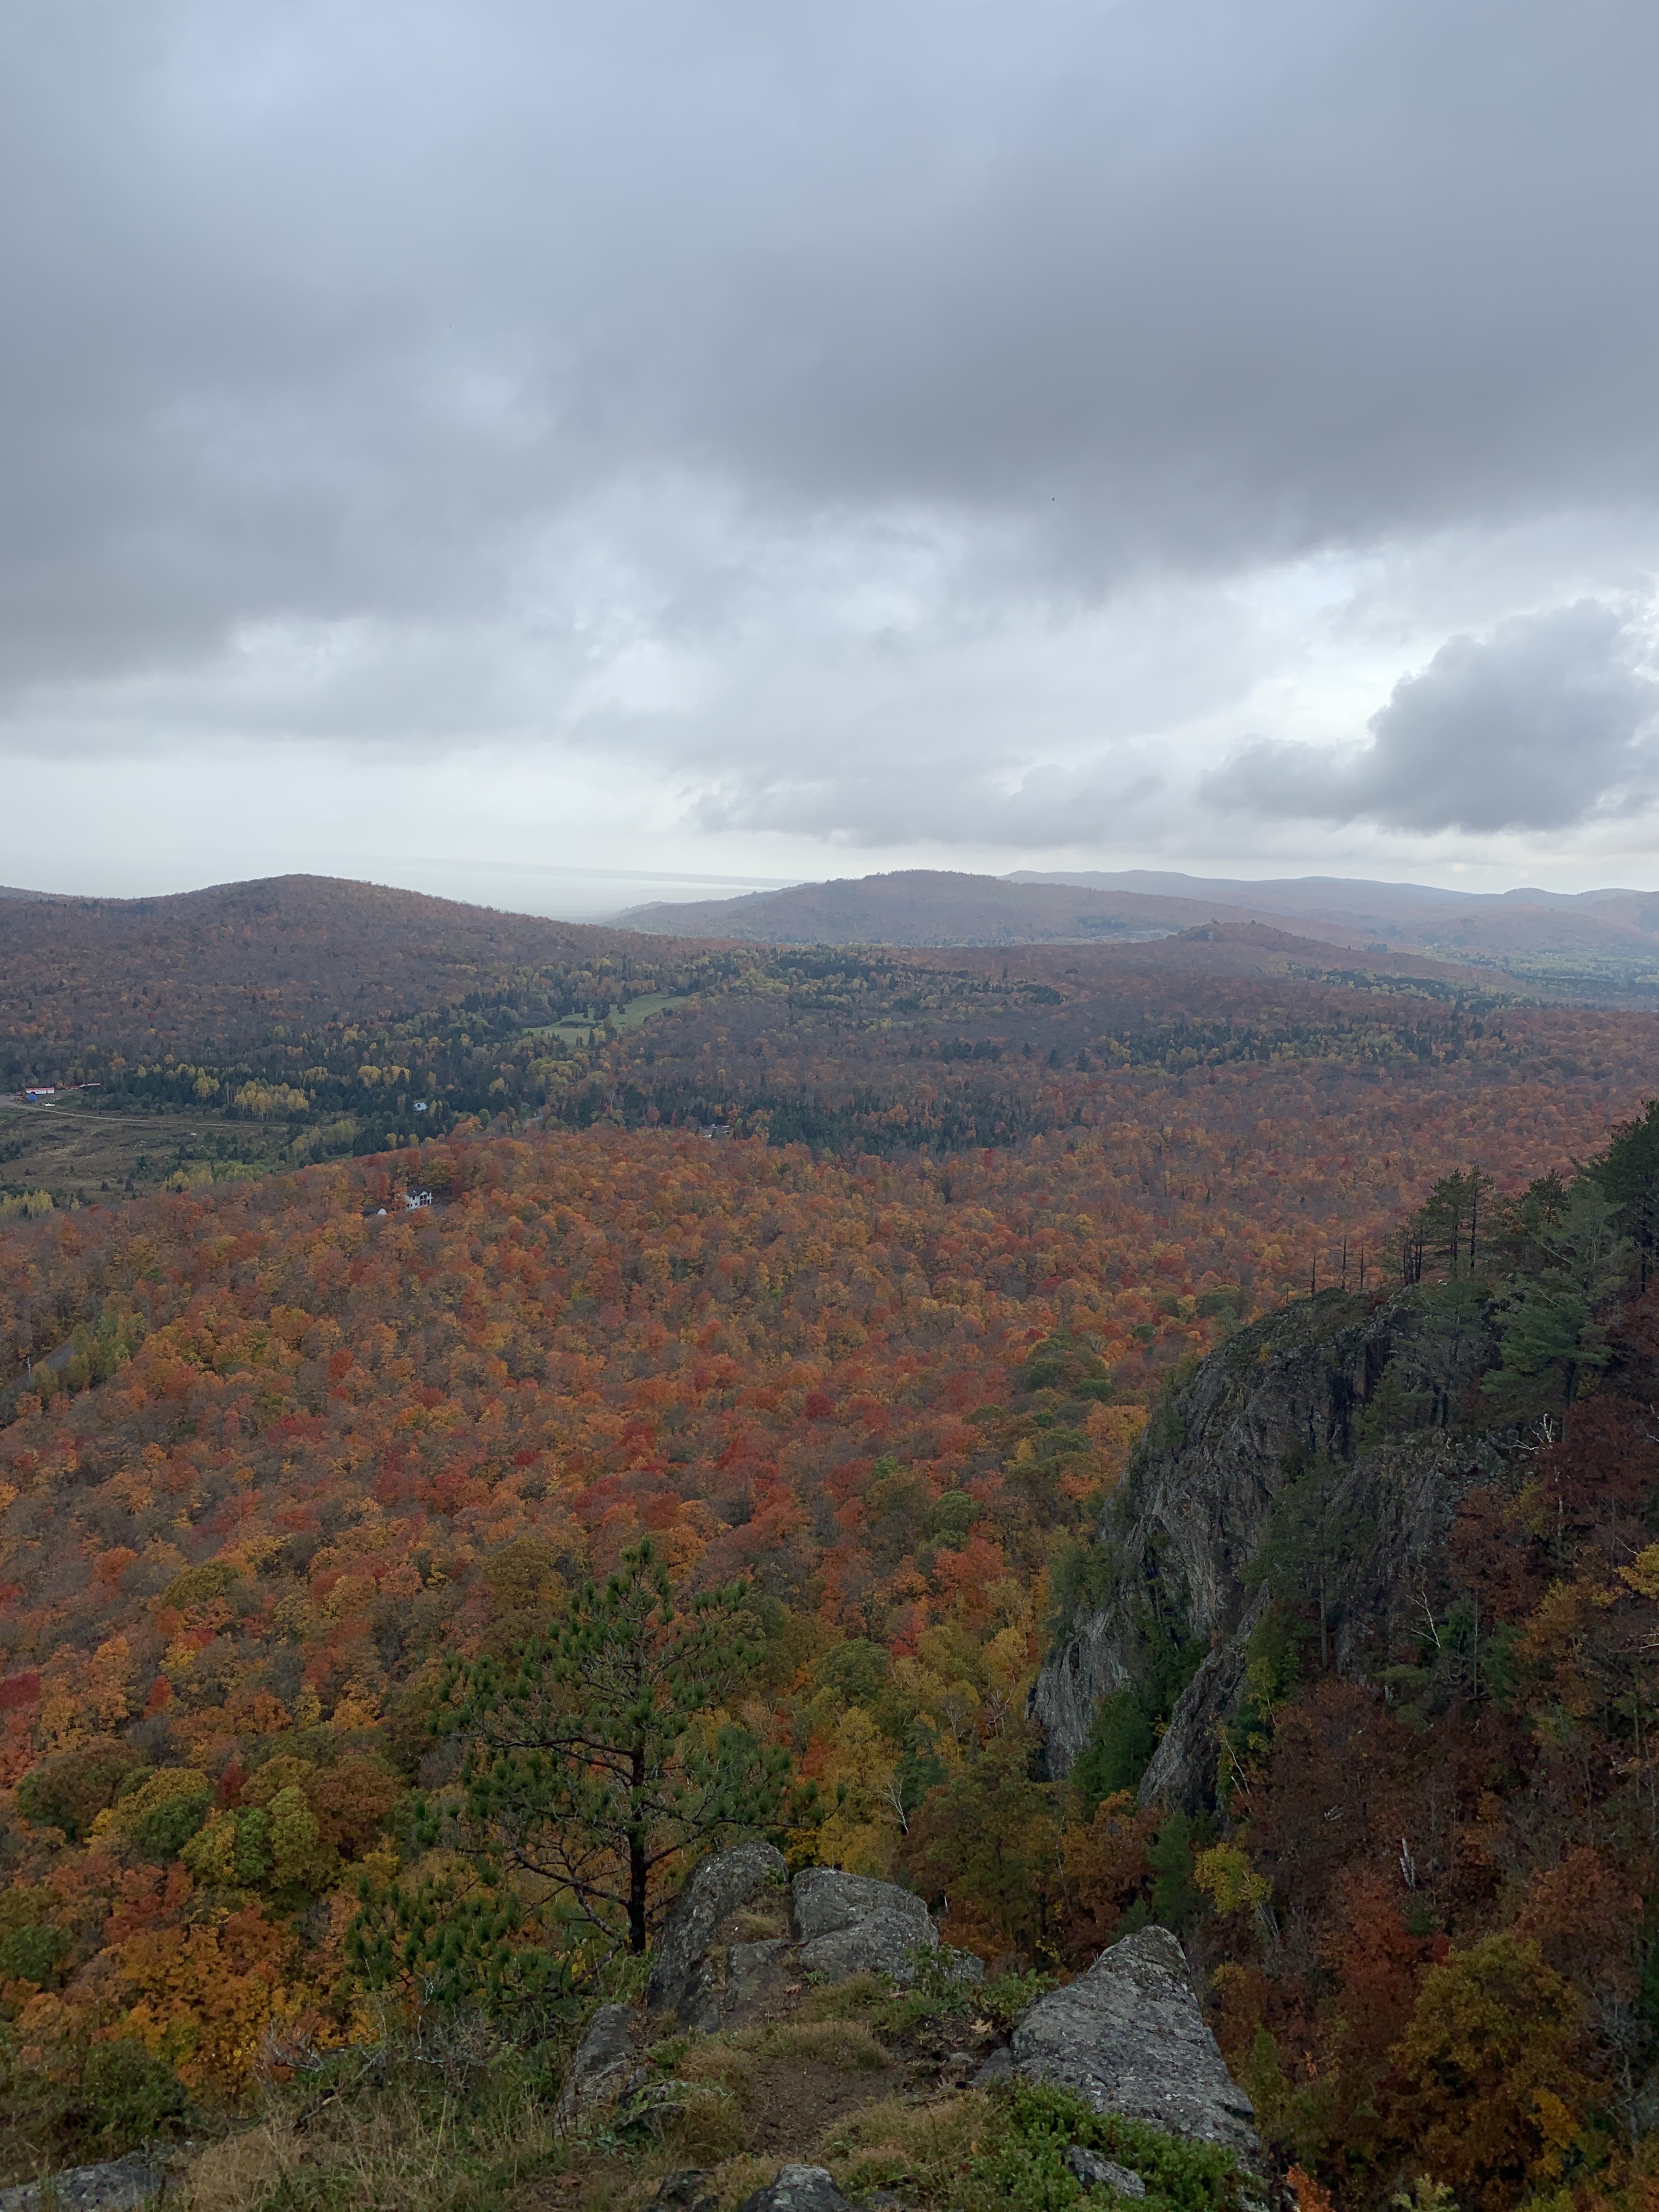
[
  {"x": 1419, "y": 914},
  {"x": 1308, "y": 894},
  {"x": 925, "y": 907},
  {"x": 931, "y": 906}
]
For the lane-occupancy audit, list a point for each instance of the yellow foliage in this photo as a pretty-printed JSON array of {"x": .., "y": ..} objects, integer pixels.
[
  {"x": 1228, "y": 1880},
  {"x": 26, "y": 1205},
  {"x": 210, "y": 1855},
  {"x": 1114, "y": 1430},
  {"x": 1491, "y": 2088},
  {"x": 358, "y": 1707},
  {"x": 268, "y": 1100},
  {"x": 104, "y": 1686},
  {"x": 861, "y": 1833},
  {"x": 205, "y": 1997},
  {"x": 1006, "y": 1659},
  {"x": 299, "y": 1856},
  {"x": 126, "y": 1819},
  {"x": 282, "y": 1772}
]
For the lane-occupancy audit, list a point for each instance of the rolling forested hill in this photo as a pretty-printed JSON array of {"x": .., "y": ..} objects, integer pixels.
[
  {"x": 1413, "y": 914},
  {"x": 226, "y": 965},
  {"x": 1601, "y": 948},
  {"x": 933, "y": 906}
]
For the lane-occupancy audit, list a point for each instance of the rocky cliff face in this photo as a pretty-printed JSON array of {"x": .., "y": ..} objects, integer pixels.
[{"x": 1303, "y": 1447}]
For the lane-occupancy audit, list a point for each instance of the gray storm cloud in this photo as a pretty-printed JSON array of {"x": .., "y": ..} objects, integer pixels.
[
  {"x": 321, "y": 309},
  {"x": 639, "y": 379},
  {"x": 1536, "y": 727}
]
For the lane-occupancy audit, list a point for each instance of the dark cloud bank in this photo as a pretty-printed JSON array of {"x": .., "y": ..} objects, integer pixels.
[{"x": 328, "y": 316}]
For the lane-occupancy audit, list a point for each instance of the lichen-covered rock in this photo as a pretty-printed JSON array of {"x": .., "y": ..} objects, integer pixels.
[
  {"x": 851, "y": 1923},
  {"x": 798, "y": 2189},
  {"x": 693, "y": 2189},
  {"x": 1095, "y": 2172},
  {"x": 757, "y": 1975},
  {"x": 600, "y": 2070},
  {"x": 684, "y": 1981},
  {"x": 1128, "y": 2038},
  {"x": 119, "y": 2184}
]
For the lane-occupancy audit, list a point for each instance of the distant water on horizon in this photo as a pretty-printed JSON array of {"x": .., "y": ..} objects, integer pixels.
[{"x": 560, "y": 892}]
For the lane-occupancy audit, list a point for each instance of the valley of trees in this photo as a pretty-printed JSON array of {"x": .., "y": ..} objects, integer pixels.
[
  {"x": 294, "y": 1490},
  {"x": 849, "y": 1051}
]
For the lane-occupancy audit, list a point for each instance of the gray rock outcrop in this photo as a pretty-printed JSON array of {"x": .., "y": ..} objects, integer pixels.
[
  {"x": 119, "y": 2184},
  {"x": 1196, "y": 1508},
  {"x": 599, "y": 2071},
  {"x": 1128, "y": 2038},
  {"x": 1095, "y": 2172},
  {"x": 755, "y": 1974},
  {"x": 714, "y": 1969},
  {"x": 693, "y": 2189},
  {"x": 798, "y": 2189},
  {"x": 687, "y": 1980},
  {"x": 851, "y": 1923}
]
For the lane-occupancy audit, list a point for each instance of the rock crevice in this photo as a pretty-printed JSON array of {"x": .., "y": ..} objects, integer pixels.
[{"x": 742, "y": 1935}]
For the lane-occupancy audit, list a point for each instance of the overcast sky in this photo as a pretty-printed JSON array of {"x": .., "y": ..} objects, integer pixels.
[{"x": 532, "y": 450}]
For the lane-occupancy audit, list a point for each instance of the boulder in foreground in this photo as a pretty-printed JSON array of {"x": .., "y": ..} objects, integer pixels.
[
  {"x": 1128, "y": 2038},
  {"x": 725, "y": 1960},
  {"x": 599, "y": 2071},
  {"x": 1094, "y": 2172},
  {"x": 118, "y": 2185},
  {"x": 798, "y": 2189}
]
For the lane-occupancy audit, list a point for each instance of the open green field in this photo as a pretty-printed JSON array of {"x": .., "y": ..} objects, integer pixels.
[
  {"x": 577, "y": 1028},
  {"x": 83, "y": 1156}
]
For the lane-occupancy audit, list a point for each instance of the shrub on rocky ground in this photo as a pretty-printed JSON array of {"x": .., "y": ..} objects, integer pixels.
[
  {"x": 83, "y": 2102},
  {"x": 1021, "y": 2164}
]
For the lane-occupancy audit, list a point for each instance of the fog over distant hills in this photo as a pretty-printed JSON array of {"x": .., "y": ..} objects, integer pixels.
[
  {"x": 1416, "y": 912},
  {"x": 1600, "y": 945},
  {"x": 1312, "y": 894}
]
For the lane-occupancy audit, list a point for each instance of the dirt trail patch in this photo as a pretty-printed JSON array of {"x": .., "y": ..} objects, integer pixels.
[{"x": 809, "y": 2088}]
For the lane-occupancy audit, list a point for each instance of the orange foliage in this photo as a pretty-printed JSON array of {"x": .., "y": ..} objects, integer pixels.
[
  {"x": 332, "y": 1446},
  {"x": 204, "y": 1997}
]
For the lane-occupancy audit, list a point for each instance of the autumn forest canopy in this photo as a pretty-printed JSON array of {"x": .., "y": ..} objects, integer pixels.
[{"x": 408, "y": 1314}]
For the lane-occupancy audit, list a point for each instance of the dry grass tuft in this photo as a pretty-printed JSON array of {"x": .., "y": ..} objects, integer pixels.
[
  {"x": 739, "y": 2177},
  {"x": 760, "y": 1923},
  {"x": 708, "y": 2127},
  {"x": 390, "y": 2153},
  {"x": 893, "y": 2141},
  {"x": 244, "y": 2169},
  {"x": 846, "y": 2045},
  {"x": 854, "y": 2000},
  {"x": 732, "y": 2060},
  {"x": 718, "y": 2059}
]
